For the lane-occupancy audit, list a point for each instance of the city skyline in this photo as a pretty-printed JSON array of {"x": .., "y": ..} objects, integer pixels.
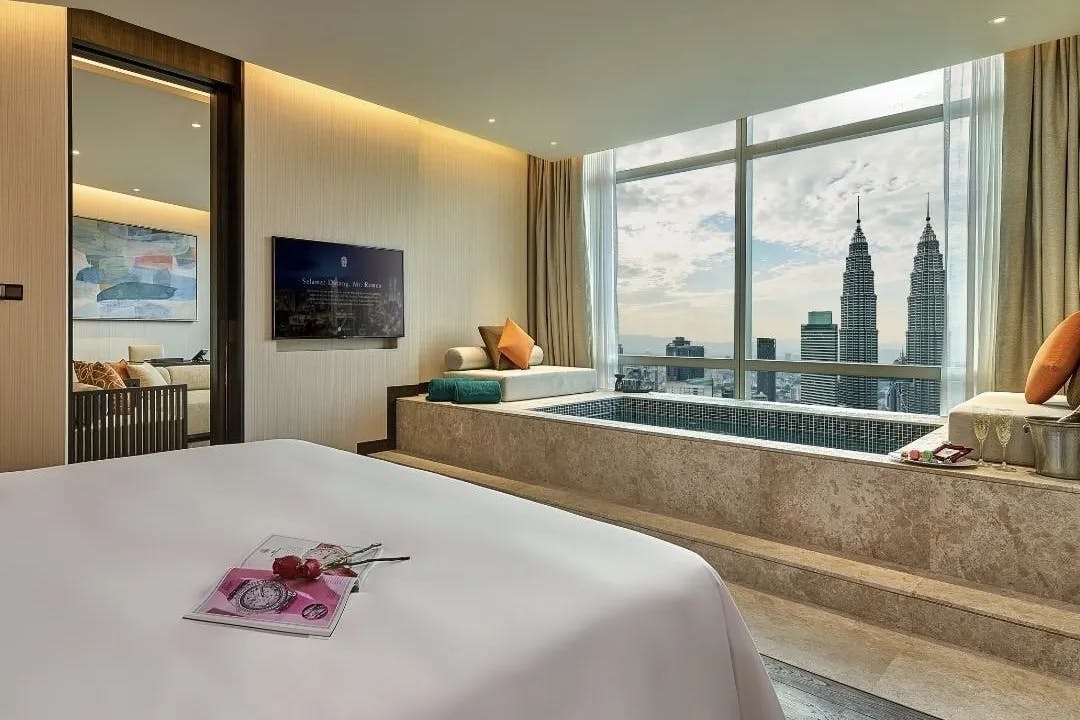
[{"x": 676, "y": 232}]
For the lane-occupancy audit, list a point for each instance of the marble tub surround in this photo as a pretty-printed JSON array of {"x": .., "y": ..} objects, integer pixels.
[
  {"x": 1035, "y": 632},
  {"x": 1020, "y": 534}
]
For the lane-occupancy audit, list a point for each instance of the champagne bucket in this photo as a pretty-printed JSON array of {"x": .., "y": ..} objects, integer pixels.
[{"x": 1057, "y": 446}]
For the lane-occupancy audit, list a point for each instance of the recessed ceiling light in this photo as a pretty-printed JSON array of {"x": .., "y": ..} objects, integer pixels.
[
  {"x": 74, "y": 152},
  {"x": 136, "y": 190},
  {"x": 491, "y": 120},
  {"x": 554, "y": 142},
  {"x": 998, "y": 20},
  {"x": 196, "y": 125}
]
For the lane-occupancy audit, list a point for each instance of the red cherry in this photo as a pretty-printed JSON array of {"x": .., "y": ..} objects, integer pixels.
[
  {"x": 288, "y": 567},
  {"x": 311, "y": 569},
  {"x": 915, "y": 455}
]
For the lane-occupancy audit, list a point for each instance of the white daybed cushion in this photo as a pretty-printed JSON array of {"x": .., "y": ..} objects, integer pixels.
[
  {"x": 536, "y": 382},
  {"x": 476, "y": 358},
  {"x": 508, "y": 610},
  {"x": 962, "y": 424}
]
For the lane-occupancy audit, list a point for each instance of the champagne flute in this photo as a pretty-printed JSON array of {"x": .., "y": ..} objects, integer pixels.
[
  {"x": 981, "y": 419},
  {"x": 1003, "y": 425}
]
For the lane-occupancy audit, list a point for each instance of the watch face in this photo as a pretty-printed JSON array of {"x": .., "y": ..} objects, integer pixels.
[{"x": 259, "y": 596}]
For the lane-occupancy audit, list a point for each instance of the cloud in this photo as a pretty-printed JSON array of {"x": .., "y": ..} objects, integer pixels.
[{"x": 676, "y": 232}]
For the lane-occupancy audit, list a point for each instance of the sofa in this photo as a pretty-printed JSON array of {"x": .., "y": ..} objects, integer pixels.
[
  {"x": 197, "y": 379},
  {"x": 539, "y": 381}
]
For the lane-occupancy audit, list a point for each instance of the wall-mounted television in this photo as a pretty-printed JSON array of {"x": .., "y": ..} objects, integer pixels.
[{"x": 328, "y": 290}]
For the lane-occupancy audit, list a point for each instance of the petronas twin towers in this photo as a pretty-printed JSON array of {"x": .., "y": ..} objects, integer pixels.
[{"x": 926, "y": 323}]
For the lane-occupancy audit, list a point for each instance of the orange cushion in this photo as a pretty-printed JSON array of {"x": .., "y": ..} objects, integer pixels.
[
  {"x": 1056, "y": 360},
  {"x": 516, "y": 345},
  {"x": 120, "y": 366}
]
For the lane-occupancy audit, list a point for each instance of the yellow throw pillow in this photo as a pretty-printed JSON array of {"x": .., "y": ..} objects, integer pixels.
[
  {"x": 491, "y": 334},
  {"x": 516, "y": 345},
  {"x": 1055, "y": 362}
]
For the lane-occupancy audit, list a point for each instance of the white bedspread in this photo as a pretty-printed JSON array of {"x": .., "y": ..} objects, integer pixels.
[{"x": 509, "y": 610}]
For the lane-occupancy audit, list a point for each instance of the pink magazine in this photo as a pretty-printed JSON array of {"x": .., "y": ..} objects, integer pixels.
[{"x": 252, "y": 596}]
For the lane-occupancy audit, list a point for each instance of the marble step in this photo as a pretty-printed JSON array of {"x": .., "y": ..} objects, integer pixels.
[{"x": 1036, "y": 632}]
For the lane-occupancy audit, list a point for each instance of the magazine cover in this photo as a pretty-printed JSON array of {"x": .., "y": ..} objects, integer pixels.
[
  {"x": 260, "y": 599},
  {"x": 252, "y": 595}
]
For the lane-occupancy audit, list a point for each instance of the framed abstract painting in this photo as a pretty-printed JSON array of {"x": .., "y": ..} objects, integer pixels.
[{"x": 127, "y": 272}]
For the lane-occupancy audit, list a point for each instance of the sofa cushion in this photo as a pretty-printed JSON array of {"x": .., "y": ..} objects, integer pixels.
[
  {"x": 146, "y": 374},
  {"x": 198, "y": 411},
  {"x": 491, "y": 334},
  {"x": 196, "y": 377},
  {"x": 536, "y": 382},
  {"x": 516, "y": 345},
  {"x": 1056, "y": 360}
]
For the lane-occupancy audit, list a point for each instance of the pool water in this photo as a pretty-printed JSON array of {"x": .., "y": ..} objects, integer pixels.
[{"x": 820, "y": 427}]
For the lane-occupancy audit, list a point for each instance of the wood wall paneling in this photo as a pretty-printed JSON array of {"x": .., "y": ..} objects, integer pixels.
[
  {"x": 34, "y": 370},
  {"x": 325, "y": 166}
]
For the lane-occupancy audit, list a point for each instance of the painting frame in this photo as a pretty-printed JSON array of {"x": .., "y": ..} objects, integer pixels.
[{"x": 149, "y": 281}]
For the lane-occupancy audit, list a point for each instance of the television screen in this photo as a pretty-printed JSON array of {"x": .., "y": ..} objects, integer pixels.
[{"x": 332, "y": 290}]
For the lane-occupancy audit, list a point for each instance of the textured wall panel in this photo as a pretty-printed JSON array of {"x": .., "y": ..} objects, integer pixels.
[
  {"x": 34, "y": 371},
  {"x": 325, "y": 166}
]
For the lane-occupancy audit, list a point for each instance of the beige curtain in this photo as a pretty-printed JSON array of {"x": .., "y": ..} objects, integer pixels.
[
  {"x": 1040, "y": 204},
  {"x": 558, "y": 262}
]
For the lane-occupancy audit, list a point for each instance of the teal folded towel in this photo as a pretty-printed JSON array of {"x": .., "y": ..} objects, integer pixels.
[
  {"x": 442, "y": 389},
  {"x": 478, "y": 391}
]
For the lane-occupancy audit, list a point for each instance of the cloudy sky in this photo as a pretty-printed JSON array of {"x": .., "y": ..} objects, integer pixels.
[{"x": 676, "y": 233}]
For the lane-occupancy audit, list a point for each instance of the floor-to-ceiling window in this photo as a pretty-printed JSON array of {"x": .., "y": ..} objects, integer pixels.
[{"x": 796, "y": 256}]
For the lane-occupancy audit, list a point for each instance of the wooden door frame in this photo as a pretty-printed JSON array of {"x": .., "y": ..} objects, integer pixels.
[{"x": 158, "y": 55}]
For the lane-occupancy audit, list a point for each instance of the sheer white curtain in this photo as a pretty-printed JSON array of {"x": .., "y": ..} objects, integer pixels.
[
  {"x": 599, "y": 190},
  {"x": 974, "y": 106}
]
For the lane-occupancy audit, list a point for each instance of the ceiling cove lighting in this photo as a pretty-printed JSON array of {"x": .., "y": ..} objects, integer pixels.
[{"x": 998, "y": 20}]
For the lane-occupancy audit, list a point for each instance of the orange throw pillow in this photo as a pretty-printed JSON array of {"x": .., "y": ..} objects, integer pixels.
[
  {"x": 120, "y": 366},
  {"x": 516, "y": 345},
  {"x": 1056, "y": 360}
]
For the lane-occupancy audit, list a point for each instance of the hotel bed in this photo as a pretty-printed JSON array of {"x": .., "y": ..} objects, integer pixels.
[{"x": 509, "y": 610}]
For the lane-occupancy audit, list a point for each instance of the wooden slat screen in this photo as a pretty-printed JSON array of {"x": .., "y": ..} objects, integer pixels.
[{"x": 129, "y": 421}]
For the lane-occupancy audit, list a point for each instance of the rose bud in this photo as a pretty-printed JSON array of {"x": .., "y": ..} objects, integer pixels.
[
  {"x": 311, "y": 569},
  {"x": 287, "y": 567}
]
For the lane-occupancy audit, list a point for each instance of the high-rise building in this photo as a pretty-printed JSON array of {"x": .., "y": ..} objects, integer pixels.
[
  {"x": 766, "y": 380},
  {"x": 681, "y": 347},
  {"x": 819, "y": 342},
  {"x": 926, "y": 321},
  {"x": 858, "y": 323}
]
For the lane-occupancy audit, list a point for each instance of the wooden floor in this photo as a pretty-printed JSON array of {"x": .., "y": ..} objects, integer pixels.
[{"x": 806, "y": 696}]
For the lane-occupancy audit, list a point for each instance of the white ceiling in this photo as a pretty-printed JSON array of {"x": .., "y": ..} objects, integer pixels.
[
  {"x": 133, "y": 134},
  {"x": 594, "y": 74}
]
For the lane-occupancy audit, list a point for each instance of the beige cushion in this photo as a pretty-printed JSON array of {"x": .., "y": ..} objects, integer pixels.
[
  {"x": 196, "y": 377},
  {"x": 476, "y": 358},
  {"x": 198, "y": 411},
  {"x": 1020, "y": 452},
  {"x": 142, "y": 353},
  {"x": 83, "y": 387},
  {"x": 147, "y": 375},
  {"x": 536, "y": 382}
]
